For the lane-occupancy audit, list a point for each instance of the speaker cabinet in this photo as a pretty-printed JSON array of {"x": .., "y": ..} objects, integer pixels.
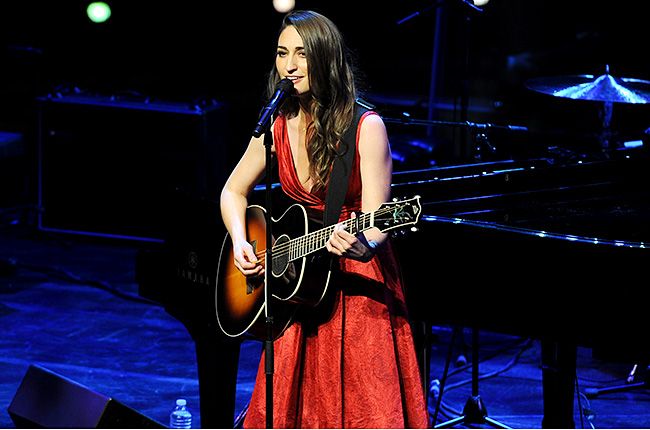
[
  {"x": 107, "y": 166},
  {"x": 47, "y": 400}
]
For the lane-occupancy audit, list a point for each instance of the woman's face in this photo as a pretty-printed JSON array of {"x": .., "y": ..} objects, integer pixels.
[{"x": 291, "y": 61}]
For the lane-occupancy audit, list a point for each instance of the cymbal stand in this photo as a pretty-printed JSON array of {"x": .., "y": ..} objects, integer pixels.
[
  {"x": 474, "y": 412},
  {"x": 605, "y": 135}
]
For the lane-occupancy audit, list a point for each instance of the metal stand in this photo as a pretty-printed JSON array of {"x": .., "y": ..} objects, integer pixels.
[
  {"x": 283, "y": 89},
  {"x": 474, "y": 412},
  {"x": 268, "y": 343},
  {"x": 481, "y": 142},
  {"x": 469, "y": 9}
]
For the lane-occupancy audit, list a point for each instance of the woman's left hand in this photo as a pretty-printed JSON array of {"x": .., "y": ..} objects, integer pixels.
[{"x": 345, "y": 244}]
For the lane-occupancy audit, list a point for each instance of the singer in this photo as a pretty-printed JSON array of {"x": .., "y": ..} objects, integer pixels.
[{"x": 352, "y": 363}]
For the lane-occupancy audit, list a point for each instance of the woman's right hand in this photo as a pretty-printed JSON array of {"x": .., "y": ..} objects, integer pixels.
[{"x": 246, "y": 260}]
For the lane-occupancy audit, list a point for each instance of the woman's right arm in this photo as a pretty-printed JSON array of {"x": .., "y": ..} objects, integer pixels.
[{"x": 234, "y": 201}]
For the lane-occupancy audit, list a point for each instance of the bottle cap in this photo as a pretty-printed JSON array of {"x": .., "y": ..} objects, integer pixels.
[{"x": 181, "y": 402}]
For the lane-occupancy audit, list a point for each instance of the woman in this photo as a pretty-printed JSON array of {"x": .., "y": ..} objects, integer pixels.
[{"x": 357, "y": 368}]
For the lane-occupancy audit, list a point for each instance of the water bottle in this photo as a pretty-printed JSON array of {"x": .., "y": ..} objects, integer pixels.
[
  {"x": 434, "y": 390},
  {"x": 181, "y": 417}
]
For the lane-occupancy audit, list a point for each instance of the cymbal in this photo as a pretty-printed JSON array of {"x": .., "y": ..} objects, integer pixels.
[{"x": 604, "y": 88}]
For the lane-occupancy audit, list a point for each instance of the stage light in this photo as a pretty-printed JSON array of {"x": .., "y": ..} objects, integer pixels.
[
  {"x": 481, "y": 2},
  {"x": 284, "y": 6},
  {"x": 98, "y": 12}
]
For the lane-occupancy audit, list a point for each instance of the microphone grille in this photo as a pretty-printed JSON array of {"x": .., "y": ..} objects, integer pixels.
[{"x": 285, "y": 85}]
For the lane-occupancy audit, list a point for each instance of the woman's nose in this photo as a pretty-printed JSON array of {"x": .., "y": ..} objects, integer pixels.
[{"x": 291, "y": 64}]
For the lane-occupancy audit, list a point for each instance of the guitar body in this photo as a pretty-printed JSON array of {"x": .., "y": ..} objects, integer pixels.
[{"x": 240, "y": 301}]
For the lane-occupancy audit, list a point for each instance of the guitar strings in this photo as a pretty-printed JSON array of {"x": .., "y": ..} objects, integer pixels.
[{"x": 316, "y": 236}]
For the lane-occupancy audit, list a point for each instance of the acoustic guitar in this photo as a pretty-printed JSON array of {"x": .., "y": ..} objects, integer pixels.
[{"x": 301, "y": 266}]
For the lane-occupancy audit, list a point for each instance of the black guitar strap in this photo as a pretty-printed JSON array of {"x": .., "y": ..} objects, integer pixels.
[{"x": 340, "y": 176}]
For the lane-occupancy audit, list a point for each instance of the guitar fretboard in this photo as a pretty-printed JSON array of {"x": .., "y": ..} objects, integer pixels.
[
  {"x": 316, "y": 240},
  {"x": 387, "y": 217}
]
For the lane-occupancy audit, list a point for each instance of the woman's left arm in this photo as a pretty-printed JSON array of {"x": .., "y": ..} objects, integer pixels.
[{"x": 376, "y": 166}]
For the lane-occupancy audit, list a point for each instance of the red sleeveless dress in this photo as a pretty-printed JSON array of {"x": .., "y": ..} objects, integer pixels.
[{"x": 359, "y": 368}]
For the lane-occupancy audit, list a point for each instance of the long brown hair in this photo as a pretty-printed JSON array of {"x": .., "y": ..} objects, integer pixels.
[{"x": 333, "y": 89}]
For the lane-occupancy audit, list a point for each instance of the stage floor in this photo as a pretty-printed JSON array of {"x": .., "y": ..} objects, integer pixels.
[{"x": 72, "y": 306}]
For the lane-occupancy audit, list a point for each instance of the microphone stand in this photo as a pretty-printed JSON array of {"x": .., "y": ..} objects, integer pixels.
[
  {"x": 467, "y": 3},
  {"x": 268, "y": 343},
  {"x": 470, "y": 8},
  {"x": 267, "y": 117}
]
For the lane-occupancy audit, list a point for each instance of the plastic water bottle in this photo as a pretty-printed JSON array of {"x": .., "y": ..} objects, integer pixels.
[
  {"x": 181, "y": 417},
  {"x": 434, "y": 390}
]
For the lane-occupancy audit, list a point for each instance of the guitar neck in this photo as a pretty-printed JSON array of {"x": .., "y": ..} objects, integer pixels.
[
  {"x": 389, "y": 216},
  {"x": 316, "y": 240}
]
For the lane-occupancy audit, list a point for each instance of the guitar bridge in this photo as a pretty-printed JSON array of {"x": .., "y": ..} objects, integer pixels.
[{"x": 250, "y": 286}]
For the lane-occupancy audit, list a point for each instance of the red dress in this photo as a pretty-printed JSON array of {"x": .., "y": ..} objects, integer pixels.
[{"x": 359, "y": 368}]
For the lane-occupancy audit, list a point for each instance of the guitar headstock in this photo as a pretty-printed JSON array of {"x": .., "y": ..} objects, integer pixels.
[{"x": 398, "y": 213}]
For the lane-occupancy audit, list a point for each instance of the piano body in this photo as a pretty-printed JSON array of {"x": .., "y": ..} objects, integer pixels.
[
  {"x": 520, "y": 239},
  {"x": 180, "y": 274},
  {"x": 533, "y": 247}
]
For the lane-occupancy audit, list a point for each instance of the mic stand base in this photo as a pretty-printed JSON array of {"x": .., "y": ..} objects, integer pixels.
[{"x": 474, "y": 412}]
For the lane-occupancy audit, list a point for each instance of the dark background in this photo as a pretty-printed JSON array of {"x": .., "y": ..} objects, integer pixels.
[
  {"x": 107, "y": 169},
  {"x": 201, "y": 52}
]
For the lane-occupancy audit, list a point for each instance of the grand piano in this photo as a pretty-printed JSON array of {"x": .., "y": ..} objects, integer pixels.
[
  {"x": 562, "y": 245},
  {"x": 536, "y": 248},
  {"x": 540, "y": 247}
]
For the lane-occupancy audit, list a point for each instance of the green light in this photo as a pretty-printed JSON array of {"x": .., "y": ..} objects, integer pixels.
[{"x": 98, "y": 11}]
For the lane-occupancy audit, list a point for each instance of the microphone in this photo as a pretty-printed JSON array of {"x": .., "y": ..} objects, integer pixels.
[{"x": 282, "y": 90}]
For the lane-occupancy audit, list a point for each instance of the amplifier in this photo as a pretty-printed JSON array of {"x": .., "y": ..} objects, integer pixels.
[{"x": 109, "y": 167}]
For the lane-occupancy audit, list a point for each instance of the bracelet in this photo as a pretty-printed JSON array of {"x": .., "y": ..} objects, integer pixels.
[{"x": 372, "y": 249}]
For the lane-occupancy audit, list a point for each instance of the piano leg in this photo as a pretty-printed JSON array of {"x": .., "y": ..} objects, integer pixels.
[
  {"x": 422, "y": 334},
  {"x": 558, "y": 382},
  {"x": 217, "y": 362}
]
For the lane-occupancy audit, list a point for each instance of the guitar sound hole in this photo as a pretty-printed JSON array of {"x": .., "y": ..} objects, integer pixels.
[{"x": 280, "y": 255}]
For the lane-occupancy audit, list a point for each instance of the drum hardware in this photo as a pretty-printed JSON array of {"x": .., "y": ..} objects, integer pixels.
[{"x": 605, "y": 88}]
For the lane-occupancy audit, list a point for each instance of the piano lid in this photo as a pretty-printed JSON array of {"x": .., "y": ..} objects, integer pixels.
[
  {"x": 603, "y": 200},
  {"x": 539, "y": 234}
]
